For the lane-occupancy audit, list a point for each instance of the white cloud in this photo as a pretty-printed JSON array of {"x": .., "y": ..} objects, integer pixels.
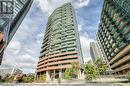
[
  {"x": 14, "y": 47},
  {"x": 80, "y": 24},
  {"x": 40, "y": 35},
  {"x": 79, "y": 28},
  {"x": 47, "y": 6},
  {"x": 81, "y": 3},
  {"x": 26, "y": 59},
  {"x": 44, "y": 5},
  {"x": 30, "y": 51}
]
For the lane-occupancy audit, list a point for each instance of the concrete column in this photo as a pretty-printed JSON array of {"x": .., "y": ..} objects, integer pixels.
[
  {"x": 124, "y": 72},
  {"x": 48, "y": 78},
  {"x": 54, "y": 74},
  {"x": 60, "y": 74},
  {"x": 79, "y": 74}
]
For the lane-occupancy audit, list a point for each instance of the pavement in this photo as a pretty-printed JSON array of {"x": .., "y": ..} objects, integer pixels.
[{"x": 64, "y": 84}]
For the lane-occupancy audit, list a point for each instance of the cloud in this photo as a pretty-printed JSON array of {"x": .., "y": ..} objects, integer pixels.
[
  {"x": 19, "y": 61},
  {"x": 81, "y": 3},
  {"x": 14, "y": 47},
  {"x": 26, "y": 59},
  {"x": 80, "y": 23},
  {"x": 48, "y": 6},
  {"x": 79, "y": 28}
]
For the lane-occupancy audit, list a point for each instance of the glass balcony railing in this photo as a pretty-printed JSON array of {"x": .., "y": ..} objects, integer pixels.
[
  {"x": 119, "y": 39},
  {"x": 113, "y": 31},
  {"x": 122, "y": 24},
  {"x": 116, "y": 16},
  {"x": 128, "y": 37},
  {"x": 122, "y": 45},
  {"x": 116, "y": 50},
  {"x": 112, "y": 54},
  {"x": 110, "y": 50},
  {"x": 111, "y": 27},
  {"x": 126, "y": 30},
  {"x": 113, "y": 45},
  {"x": 116, "y": 35}
]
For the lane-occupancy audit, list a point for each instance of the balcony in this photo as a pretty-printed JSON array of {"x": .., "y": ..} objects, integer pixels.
[
  {"x": 116, "y": 35},
  {"x": 119, "y": 19},
  {"x": 53, "y": 68},
  {"x": 123, "y": 60},
  {"x": 121, "y": 53},
  {"x": 128, "y": 37},
  {"x": 110, "y": 50},
  {"x": 115, "y": 17},
  {"x": 112, "y": 54},
  {"x": 126, "y": 30},
  {"x": 55, "y": 59},
  {"x": 113, "y": 45},
  {"x": 127, "y": 66},
  {"x": 119, "y": 39},
  {"x": 111, "y": 27},
  {"x": 123, "y": 24},
  {"x": 113, "y": 31},
  {"x": 116, "y": 50},
  {"x": 122, "y": 45}
]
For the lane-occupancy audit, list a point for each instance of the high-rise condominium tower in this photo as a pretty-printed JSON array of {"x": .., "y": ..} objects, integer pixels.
[
  {"x": 114, "y": 34},
  {"x": 95, "y": 51},
  {"x": 61, "y": 44},
  {"x": 12, "y": 13}
]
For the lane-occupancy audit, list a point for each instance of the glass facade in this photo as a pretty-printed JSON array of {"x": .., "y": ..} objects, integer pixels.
[
  {"x": 114, "y": 34},
  {"x": 61, "y": 45},
  {"x": 95, "y": 51},
  {"x": 10, "y": 19}
]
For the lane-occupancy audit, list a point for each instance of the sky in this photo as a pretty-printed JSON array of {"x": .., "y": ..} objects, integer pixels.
[{"x": 24, "y": 49}]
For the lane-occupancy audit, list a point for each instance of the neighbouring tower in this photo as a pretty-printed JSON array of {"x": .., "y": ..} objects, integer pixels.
[
  {"x": 12, "y": 13},
  {"x": 114, "y": 34},
  {"x": 61, "y": 44},
  {"x": 95, "y": 51}
]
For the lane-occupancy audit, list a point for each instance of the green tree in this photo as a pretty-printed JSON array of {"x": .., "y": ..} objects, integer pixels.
[
  {"x": 101, "y": 66},
  {"x": 90, "y": 71},
  {"x": 9, "y": 79},
  {"x": 128, "y": 75},
  {"x": 40, "y": 79},
  {"x": 68, "y": 73},
  {"x": 75, "y": 68},
  {"x": 73, "y": 71},
  {"x": 27, "y": 79}
]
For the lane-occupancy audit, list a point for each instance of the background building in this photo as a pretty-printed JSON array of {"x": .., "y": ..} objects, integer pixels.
[
  {"x": 95, "y": 51},
  {"x": 61, "y": 44},
  {"x": 114, "y": 34},
  {"x": 9, "y": 71},
  {"x": 12, "y": 13}
]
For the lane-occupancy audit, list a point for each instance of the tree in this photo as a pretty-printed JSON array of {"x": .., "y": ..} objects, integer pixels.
[
  {"x": 10, "y": 79},
  {"x": 68, "y": 73},
  {"x": 76, "y": 68},
  {"x": 26, "y": 79},
  {"x": 101, "y": 66},
  {"x": 73, "y": 71},
  {"x": 40, "y": 79},
  {"x": 90, "y": 71},
  {"x": 128, "y": 75}
]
